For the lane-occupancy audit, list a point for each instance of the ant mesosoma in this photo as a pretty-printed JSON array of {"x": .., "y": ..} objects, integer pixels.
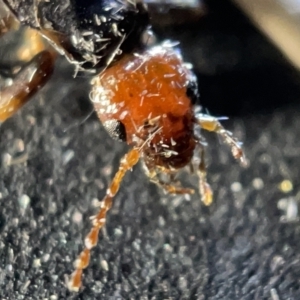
[{"x": 144, "y": 96}]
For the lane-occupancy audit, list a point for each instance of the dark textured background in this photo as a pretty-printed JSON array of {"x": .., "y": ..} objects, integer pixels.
[{"x": 157, "y": 246}]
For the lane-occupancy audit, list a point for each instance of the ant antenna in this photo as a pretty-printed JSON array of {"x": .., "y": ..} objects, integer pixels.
[{"x": 127, "y": 162}]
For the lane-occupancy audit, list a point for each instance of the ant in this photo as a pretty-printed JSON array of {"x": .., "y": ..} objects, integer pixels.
[{"x": 144, "y": 96}]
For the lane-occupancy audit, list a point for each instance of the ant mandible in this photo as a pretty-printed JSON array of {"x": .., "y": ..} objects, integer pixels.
[{"x": 144, "y": 96}]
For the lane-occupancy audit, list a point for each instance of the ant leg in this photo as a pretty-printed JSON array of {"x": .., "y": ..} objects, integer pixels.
[
  {"x": 32, "y": 43},
  {"x": 172, "y": 188},
  {"x": 168, "y": 187},
  {"x": 127, "y": 162},
  {"x": 204, "y": 187},
  {"x": 33, "y": 75},
  {"x": 7, "y": 23},
  {"x": 210, "y": 123},
  {"x": 26, "y": 83}
]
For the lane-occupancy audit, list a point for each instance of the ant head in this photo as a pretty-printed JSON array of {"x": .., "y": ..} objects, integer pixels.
[{"x": 151, "y": 94}]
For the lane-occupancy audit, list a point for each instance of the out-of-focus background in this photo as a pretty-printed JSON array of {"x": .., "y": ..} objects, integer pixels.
[
  {"x": 54, "y": 167},
  {"x": 246, "y": 53}
]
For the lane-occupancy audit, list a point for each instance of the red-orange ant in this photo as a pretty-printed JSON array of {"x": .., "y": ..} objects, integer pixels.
[{"x": 143, "y": 96}]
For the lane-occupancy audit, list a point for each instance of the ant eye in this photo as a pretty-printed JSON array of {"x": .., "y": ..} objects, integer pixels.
[
  {"x": 192, "y": 90},
  {"x": 116, "y": 130}
]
